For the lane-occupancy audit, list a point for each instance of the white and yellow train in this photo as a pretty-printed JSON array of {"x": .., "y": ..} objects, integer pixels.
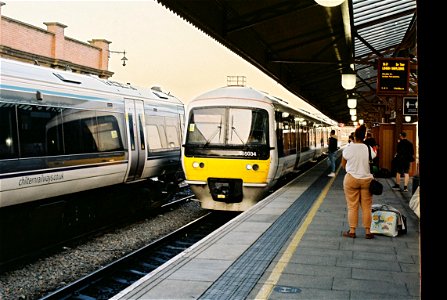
[{"x": 239, "y": 141}]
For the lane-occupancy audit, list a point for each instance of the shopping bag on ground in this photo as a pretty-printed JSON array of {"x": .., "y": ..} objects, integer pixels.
[{"x": 387, "y": 220}]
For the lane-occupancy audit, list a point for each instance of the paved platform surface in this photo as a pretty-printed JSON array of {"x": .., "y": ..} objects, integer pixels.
[{"x": 290, "y": 246}]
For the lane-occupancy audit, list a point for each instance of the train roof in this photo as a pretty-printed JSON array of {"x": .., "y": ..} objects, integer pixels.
[
  {"x": 21, "y": 70},
  {"x": 248, "y": 93}
]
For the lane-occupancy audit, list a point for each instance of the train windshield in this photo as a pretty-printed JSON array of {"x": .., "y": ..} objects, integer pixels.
[{"x": 228, "y": 128}]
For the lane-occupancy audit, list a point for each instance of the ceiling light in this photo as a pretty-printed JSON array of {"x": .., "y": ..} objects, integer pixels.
[
  {"x": 329, "y": 3},
  {"x": 348, "y": 80},
  {"x": 352, "y": 103},
  {"x": 353, "y": 111}
]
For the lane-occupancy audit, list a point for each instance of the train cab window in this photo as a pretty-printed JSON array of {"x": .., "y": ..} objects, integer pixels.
[
  {"x": 232, "y": 126},
  {"x": 227, "y": 132},
  {"x": 205, "y": 126},
  {"x": 248, "y": 126},
  {"x": 8, "y": 133}
]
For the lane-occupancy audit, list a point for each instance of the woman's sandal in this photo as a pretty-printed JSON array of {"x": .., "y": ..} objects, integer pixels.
[
  {"x": 369, "y": 236},
  {"x": 349, "y": 234}
]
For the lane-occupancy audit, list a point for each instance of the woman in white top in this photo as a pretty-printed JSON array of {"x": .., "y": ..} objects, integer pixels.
[{"x": 355, "y": 160}]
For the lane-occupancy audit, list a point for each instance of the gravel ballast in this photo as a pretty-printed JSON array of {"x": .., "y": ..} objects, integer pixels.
[{"x": 37, "y": 279}]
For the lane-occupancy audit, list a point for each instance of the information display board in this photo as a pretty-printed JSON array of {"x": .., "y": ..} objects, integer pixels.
[{"x": 393, "y": 76}]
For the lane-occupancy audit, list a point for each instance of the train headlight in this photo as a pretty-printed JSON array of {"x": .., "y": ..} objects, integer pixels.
[
  {"x": 253, "y": 167},
  {"x": 198, "y": 165}
]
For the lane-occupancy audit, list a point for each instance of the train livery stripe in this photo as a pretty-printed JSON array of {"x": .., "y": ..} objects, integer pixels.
[
  {"x": 80, "y": 167},
  {"x": 58, "y": 170}
]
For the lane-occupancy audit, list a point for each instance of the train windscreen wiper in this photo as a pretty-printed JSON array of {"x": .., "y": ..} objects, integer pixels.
[{"x": 218, "y": 131}]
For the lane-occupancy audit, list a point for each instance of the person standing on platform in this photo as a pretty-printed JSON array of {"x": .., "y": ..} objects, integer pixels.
[
  {"x": 404, "y": 156},
  {"x": 355, "y": 160},
  {"x": 351, "y": 138},
  {"x": 332, "y": 149},
  {"x": 370, "y": 141}
]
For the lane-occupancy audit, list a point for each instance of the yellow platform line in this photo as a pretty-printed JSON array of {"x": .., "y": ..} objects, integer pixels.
[{"x": 273, "y": 279}]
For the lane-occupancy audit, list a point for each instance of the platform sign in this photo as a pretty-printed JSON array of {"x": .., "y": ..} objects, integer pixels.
[
  {"x": 393, "y": 76},
  {"x": 410, "y": 106}
]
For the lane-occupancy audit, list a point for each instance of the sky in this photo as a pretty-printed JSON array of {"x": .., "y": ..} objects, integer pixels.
[{"x": 162, "y": 49}]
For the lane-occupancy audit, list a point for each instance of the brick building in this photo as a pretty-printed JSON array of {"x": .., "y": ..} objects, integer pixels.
[{"x": 50, "y": 47}]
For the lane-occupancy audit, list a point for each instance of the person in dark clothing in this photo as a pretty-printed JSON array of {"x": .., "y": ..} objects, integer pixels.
[
  {"x": 332, "y": 149},
  {"x": 370, "y": 141},
  {"x": 404, "y": 156}
]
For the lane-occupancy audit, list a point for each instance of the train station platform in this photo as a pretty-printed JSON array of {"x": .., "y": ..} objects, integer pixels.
[{"x": 290, "y": 246}]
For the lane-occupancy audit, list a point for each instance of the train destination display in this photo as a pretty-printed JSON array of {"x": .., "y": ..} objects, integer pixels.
[{"x": 392, "y": 76}]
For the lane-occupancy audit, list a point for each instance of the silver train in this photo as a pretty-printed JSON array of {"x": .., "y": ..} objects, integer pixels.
[
  {"x": 239, "y": 141},
  {"x": 62, "y": 133}
]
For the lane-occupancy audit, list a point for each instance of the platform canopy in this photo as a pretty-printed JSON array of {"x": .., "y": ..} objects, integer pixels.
[{"x": 307, "y": 47}]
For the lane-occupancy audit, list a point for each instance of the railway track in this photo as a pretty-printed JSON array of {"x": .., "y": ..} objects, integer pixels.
[
  {"x": 113, "y": 278},
  {"x": 35, "y": 243}
]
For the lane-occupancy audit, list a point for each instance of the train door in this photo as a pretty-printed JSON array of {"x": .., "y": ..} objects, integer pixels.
[{"x": 137, "y": 143}]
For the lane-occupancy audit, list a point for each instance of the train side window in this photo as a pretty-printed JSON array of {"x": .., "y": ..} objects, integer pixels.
[
  {"x": 279, "y": 134},
  {"x": 8, "y": 133},
  {"x": 289, "y": 137},
  {"x": 286, "y": 137},
  {"x": 78, "y": 136},
  {"x": 33, "y": 121},
  {"x": 304, "y": 138},
  {"x": 54, "y": 136},
  {"x": 107, "y": 134},
  {"x": 153, "y": 138},
  {"x": 163, "y": 133},
  {"x": 172, "y": 137}
]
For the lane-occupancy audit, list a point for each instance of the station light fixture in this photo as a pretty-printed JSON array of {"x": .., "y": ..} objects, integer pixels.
[
  {"x": 124, "y": 59},
  {"x": 329, "y": 3},
  {"x": 352, "y": 103},
  {"x": 353, "y": 111},
  {"x": 348, "y": 77},
  {"x": 348, "y": 80},
  {"x": 354, "y": 118},
  {"x": 407, "y": 119},
  {"x": 361, "y": 121}
]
